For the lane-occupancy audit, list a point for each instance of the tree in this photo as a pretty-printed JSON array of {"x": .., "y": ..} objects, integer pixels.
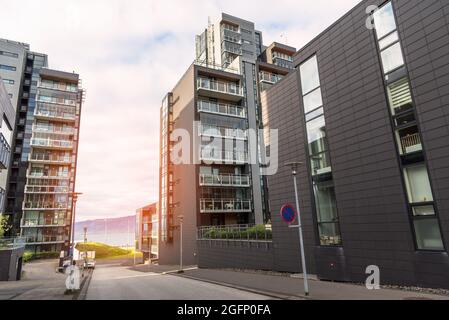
[{"x": 4, "y": 225}]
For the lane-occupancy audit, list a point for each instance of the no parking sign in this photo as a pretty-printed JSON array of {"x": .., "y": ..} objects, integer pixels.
[{"x": 288, "y": 213}]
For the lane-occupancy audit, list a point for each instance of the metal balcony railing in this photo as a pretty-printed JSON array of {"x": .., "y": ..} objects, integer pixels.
[
  {"x": 62, "y": 101},
  {"x": 53, "y": 129},
  {"x": 47, "y": 175},
  {"x": 205, "y": 64},
  {"x": 225, "y": 205},
  {"x": 5, "y": 152},
  {"x": 225, "y": 180},
  {"x": 220, "y": 86},
  {"x": 57, "y": 86},
  {"x": 222, "y": 109},
  {"x": 12, "y": 243},
  {"x": 44, "y": 239},
  {"x": 223, "y": 156},
  {"x": 244, "y": 232},
  {"x": 216, "y": 131},
  {"x": 63, "y": 144},
  {"x": 269, "y": 77},
  {"x": 411, "y": 143}
]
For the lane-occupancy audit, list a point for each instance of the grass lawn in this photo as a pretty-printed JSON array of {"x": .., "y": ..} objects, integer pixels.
[{"x": 106, "y": 252}]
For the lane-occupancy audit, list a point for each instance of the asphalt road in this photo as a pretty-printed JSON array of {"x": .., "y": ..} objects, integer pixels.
[{"x": 120, "y": 283}]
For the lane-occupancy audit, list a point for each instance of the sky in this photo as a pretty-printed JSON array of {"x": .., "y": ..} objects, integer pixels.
[{"x": 129, "y": 54}]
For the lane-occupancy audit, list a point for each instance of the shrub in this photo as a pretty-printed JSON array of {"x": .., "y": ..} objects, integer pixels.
[{"x": 30, "y": 256}]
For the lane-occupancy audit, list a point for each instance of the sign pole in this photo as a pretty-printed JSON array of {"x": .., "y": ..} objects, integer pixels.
[{"x": 301, "y": 239}]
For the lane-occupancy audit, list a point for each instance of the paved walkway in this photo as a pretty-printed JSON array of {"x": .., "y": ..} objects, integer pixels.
[
  {"x": 40, "y": 282},
  {"x": 283, "y": 287}
]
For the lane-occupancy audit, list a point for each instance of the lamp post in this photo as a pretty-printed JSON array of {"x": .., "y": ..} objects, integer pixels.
[
  {"x": 181, "y": 220},
  {"x": 294, "y": 167},
  {"x": 72, "y": 231}
]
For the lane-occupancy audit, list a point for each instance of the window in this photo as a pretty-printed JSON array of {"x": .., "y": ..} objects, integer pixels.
[
  {"x": 418, "y": 184},
  {"x": 313, "y": 100},
  {"x": 392, "y": 58},
  {"x": 384, "y": 21},
  {"x": 9, "y": 54},
  {"x": 428, "y": 234},
  {"x": 326, "y": 207},
  {"x": 310, "y": 79},
  {"x": 8, "y": 81},
  {"x": 409, "y": 140},
  {"x": 8, "y": 68},
  {"x": 400, "y": 96}
]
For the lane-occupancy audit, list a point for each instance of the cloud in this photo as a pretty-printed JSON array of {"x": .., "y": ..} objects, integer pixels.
[{"x": 129, "y": 55}]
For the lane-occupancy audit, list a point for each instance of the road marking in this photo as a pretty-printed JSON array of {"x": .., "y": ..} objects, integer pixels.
[{"x": 136, "y": 276}]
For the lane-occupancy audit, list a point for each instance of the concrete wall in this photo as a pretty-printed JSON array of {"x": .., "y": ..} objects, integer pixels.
[
  {"x": 235, "y": 254},
  {"x": 9, "y": 263},
  {"x": 371, "y": 199}
]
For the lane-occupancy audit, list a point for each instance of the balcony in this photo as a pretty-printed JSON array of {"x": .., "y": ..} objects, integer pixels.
[
  {"x": 211, "y": 155},
  {"x": 207, "y": 65},
  {"x": 222, "y": 109},
  {"x": 269, "y": 77},
  {"x": 411, "y": 143},
  {"x": 219, "y": 89},
  {"x": 52, "y": 144},
  {"x": 47, "y": 111},
  {"x": 222, "y": 132},
  {"x": 47, "y": 175},
  {"x": 45, "y": 206},
  {"x": 42, "y": 223},
  {"x": 46, "y": 189},
  {"x": 58, "y": 86},
  {"x": 224, "y": 206},
  {"x": 51, "y": 159},
  {"x": 224, "y": 180},
  {"x": 53, "y": 130},
  {"x": 37, "y": 240},
  {"x": 5, "y": 152}
]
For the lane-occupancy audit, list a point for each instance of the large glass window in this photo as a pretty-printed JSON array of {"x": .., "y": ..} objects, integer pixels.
[
  {"x": 384, "y": 20},
  {"x": 313, "y": 100},
  {"x": 392, "y": 58},
  {"x": 310, "y": 78},
  {"x": 418, "y": 184},
  {"x": 316, "y": 132},
  {"x": 327, "y": 215},
  {"x": 428, "y": 235}
]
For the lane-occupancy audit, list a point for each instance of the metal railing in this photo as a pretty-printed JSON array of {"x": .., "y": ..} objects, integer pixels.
[
  {"x": 224, "y": 205},
  {"x": 30, "y": 223},
  {"x": 216, "y": 131},
  {"x": 246, "y": 232},
  {"x": 269, "y": 77},
  {"x": 45, "y": 206},
  {"x": 45, "y": 189},
  {"x": 53, "y": 129},
  {"x": 48, "y": 175},
  {"x": 57, "y": 86},
  {"x": 225, "y": 180},
  {"x": 222, "y": 108},
  {"x": 44, "y": 239},
  {"x": 12, "y": 243},
  {"x": 411, "y": 143},
  {"x": 5, "y": 152},
  {"x": 220, "y": 86}
]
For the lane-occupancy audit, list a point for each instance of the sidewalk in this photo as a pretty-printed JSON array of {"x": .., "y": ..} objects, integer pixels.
[{"x": 292, "y": 288}]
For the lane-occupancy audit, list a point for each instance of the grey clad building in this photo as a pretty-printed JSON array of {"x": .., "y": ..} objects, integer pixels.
[
  {"x": 212, "y": 109},
  {"x": 367, "y": 113}
]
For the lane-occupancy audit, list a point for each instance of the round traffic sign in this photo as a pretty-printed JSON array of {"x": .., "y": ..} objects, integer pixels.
[{"x": 288, "y": 213}]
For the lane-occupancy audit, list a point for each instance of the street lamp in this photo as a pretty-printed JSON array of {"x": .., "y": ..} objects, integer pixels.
[
  {"x": 294, "y": 167},
  {"x": 72, "y": 231},
  {"x": 181, "y": 220}
]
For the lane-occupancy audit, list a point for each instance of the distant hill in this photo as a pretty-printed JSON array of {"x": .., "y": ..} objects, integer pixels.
[{"x": 114, "y": 231}]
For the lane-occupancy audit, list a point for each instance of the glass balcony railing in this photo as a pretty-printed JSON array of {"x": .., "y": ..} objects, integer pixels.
[
  {"x": 39, "y": 157},
  {"x": 269, "y": 77},
  {"x": 33, "y": 223},
  {"x": 53, "y": 129},
  {"x": 45, "y": 205},
  {"x": 222, "y": 109},
  {"x": 48, "y": 175},
  {"x": 220, "y": 86},
  {"x": 223, "y": 156},
  {"x": 59, "y": 86},
  {"x": 45, "y": 239},
  {"x": 224, "y": 205},
  {"x": 62, "y": 101},
  {"x": 5, "y": 152},
  {"x": 225, "y": 180},
  {"x": 216, "y": 131},
  {"x": 54, "y": 112},
  {"x": 36, "y": 142},
  {"x": 46, "y": 189}
]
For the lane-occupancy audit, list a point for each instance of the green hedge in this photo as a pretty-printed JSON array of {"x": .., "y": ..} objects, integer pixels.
[
  {"x": 30, "y": 256},
  {"x": 258, "y": 232}
]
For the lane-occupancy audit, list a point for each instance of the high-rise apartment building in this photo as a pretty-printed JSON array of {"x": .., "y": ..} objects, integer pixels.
[
  {"x": 41, "y": 179},
  {"x": 214, "y": 112},
  {"x": 50, "y": 185}
]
